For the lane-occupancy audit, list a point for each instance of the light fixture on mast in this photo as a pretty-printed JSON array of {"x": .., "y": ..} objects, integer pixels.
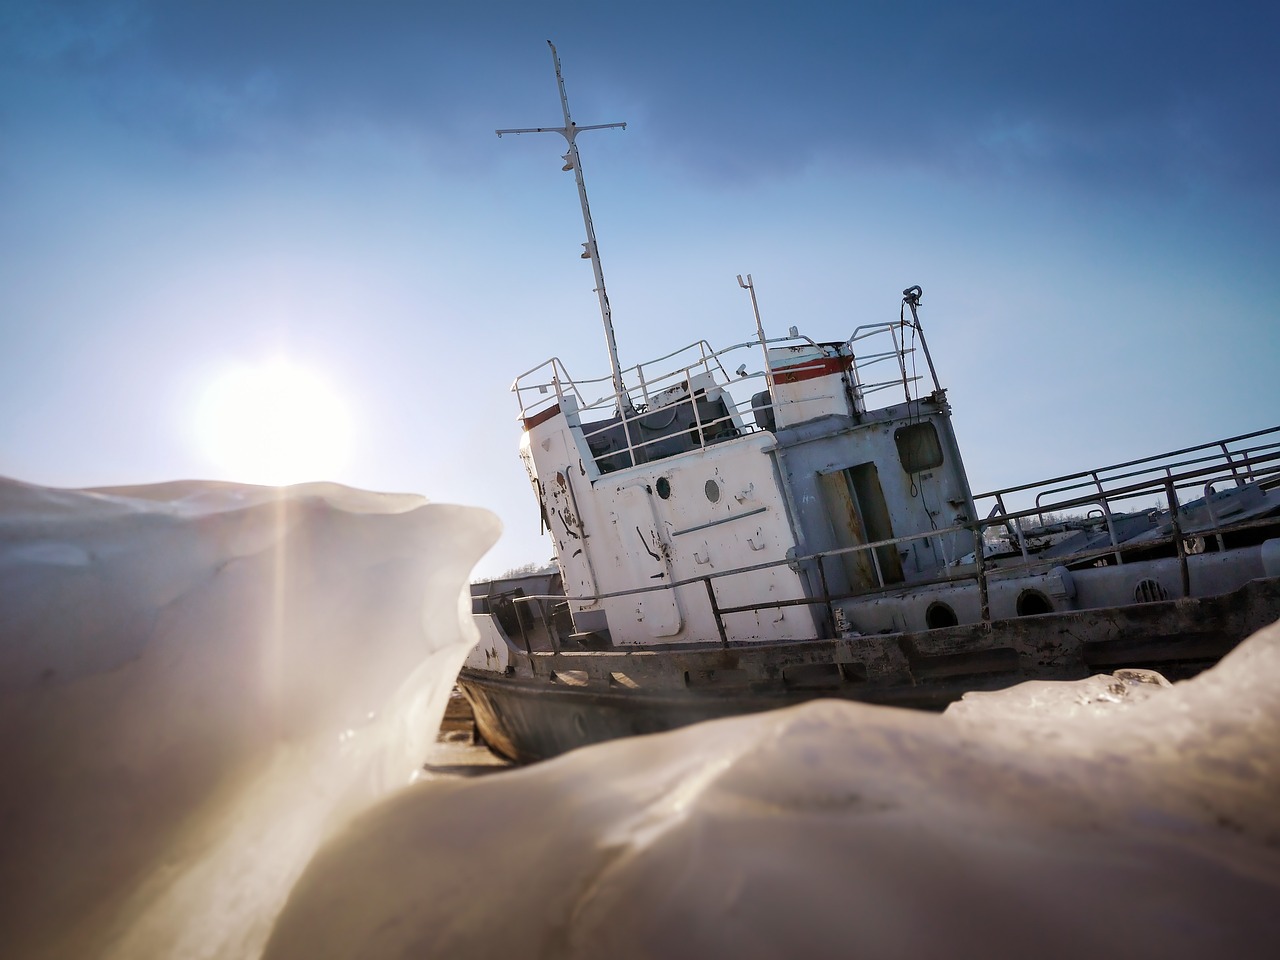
[{"x": 573, "y": 162}]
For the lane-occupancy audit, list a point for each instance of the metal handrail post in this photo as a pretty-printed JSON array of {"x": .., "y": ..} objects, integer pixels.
[
  {"x": 715, "y": 612},
  {"x": 902, "y": 362},
  {"x": 1106, "y": 514},
  {"x": 697, "y": 420},
  {"x": 875, "y": 563},
  {"x": 548, "y": 625},
  {"x": 1172, "y": 492},
  {"x": 826, "y": 593},
  {"x": 625, "y": 415},
  {"x": 749, "y": 286},
  {"x": 980, "y": 565},
  {"x": 1232, "y": 464},
  {"x": 1213, "y": 513},
  {"x": 524, "y": 634}
]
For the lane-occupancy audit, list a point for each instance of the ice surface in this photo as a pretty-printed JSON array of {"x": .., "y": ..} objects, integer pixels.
[
  {"x": 1117, "y": 816},
  {"x": 201, "y": 684},
  {"x": 198, "y": 681}
]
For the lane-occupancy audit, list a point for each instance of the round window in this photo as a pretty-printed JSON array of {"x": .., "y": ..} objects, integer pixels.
[
  {"x": 712, "y": 490},
  {"x": 664, "y": 487}
]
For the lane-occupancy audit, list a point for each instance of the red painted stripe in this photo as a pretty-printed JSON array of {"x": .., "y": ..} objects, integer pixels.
[
  {"x": 542, "y": 416},
  {"x": 811, "y": 369}
]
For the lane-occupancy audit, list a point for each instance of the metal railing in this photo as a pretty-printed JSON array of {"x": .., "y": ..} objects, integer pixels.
[
  {"x": 683, "y": 373},
  {"x": 1123, "y": 489},
  {"x": 1164, "y": 476}
]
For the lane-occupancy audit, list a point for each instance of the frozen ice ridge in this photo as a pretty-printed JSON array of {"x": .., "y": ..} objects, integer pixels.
[
  {"x": 1110, "y": 817},
  {"x": 198, "y": 681}
]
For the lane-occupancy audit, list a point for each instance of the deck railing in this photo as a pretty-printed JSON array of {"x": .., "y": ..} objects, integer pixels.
[
  {"x": 1252, "y": 458},
  {"x": 698, "y": 366},
  {"x": 1187, "y": 477}
]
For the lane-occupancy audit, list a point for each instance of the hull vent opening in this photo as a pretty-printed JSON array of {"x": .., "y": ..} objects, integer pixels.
[
  {"x": 1032, "y": 603},
  {"x": 940, "y": 615},
  {"x": 1149, "y": 591}
]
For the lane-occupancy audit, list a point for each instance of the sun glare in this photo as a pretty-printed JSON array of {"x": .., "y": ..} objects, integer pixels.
[{"x": 275, "y": 423}]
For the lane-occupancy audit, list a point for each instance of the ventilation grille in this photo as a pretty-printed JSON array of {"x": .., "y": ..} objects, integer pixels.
[{"x": 1149, "y": 591}]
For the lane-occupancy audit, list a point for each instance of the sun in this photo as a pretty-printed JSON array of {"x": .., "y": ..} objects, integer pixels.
[{"x": 275, "y": 423}]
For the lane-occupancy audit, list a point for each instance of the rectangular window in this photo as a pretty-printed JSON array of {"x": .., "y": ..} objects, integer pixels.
[{"x": 918, "y": 447}]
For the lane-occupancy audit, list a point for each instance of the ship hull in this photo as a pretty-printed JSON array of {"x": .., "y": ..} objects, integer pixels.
[{"x": 532, "y": 712}]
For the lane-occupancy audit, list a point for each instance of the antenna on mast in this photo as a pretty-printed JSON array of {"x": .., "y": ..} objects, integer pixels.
[{"x": 573, "y": 162}]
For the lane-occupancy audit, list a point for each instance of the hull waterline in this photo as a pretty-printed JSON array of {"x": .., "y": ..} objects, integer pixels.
[{"x": 545, "y": 713}]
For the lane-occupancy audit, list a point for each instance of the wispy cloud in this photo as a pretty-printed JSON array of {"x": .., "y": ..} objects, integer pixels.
[{"x": 1141, "y": 94}]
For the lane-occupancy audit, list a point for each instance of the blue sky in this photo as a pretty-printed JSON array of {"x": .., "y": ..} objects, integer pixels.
[{"x": 1087, "y": 192}]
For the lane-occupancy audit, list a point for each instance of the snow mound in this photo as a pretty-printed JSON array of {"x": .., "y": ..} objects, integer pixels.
[
  {"x": 1114, "y": 816},
  {"x": 197, "y": 682}
]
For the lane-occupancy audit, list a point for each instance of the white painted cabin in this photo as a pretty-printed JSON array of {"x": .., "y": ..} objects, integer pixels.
[{"x": 699, "y": 494}]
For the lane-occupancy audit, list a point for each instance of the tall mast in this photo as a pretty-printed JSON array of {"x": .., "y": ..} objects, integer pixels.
[{"x": 573, "y": 162}]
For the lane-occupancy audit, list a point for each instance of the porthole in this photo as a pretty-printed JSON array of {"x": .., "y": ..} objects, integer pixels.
[
  {"x": 712, "y": 490},
  {"x": 940, "y": 615},
  {"x": 664, "y": 487},
  {"x": 1032, "y": 603}
]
